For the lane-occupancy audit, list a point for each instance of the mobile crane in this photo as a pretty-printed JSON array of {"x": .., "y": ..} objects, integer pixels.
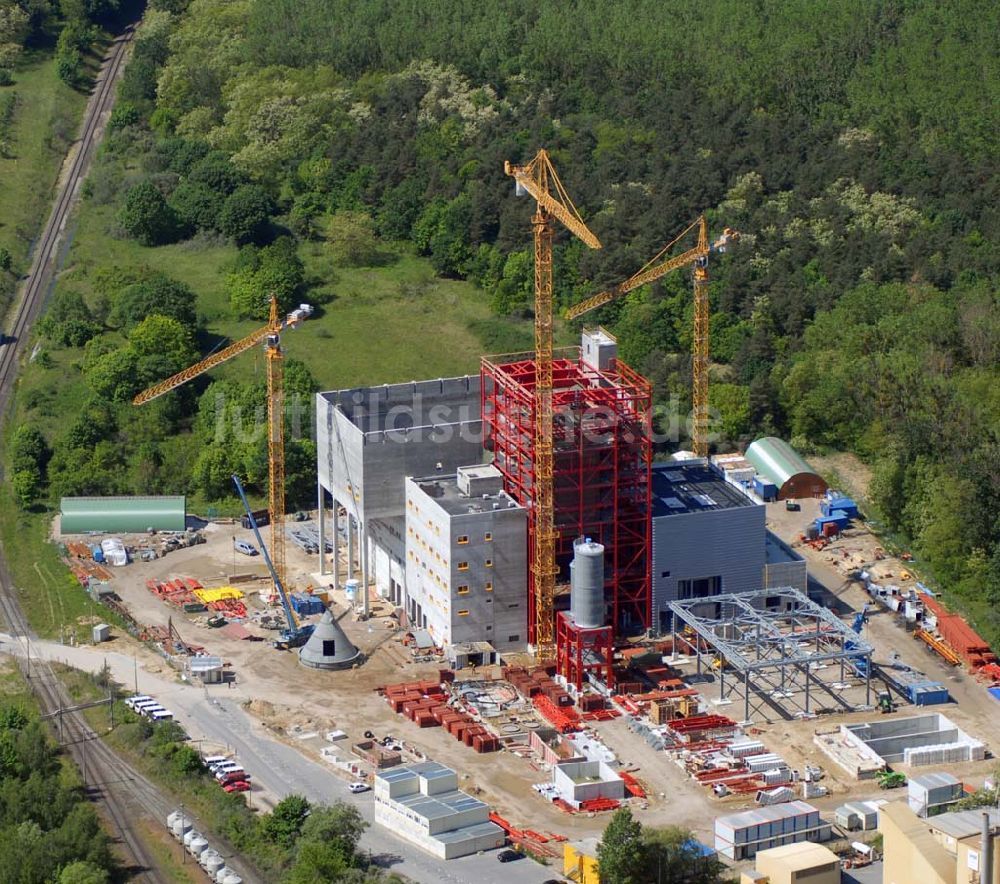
[
  {"x": 698, "y": 256},
  {"x": 296, "y": 634}
]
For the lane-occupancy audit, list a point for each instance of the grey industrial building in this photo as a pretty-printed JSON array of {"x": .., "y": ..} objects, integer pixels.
[
  {"x": 466, "y": 559},
  {"x": 708, "y": 537},
  {"x": 368, "y": 441}
]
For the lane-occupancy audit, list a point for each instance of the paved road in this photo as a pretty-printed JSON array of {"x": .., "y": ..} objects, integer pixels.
[{"x": 208, "y": 714}]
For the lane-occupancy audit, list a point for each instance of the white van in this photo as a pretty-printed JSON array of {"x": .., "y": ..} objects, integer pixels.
[
  {"x": 161, "y": 715},
  {"x": 146, "y": 704},
  {"x": 136, "y": 698},
  {"x": 213, "y": 761},
  {"x": 150, "y": 711}
]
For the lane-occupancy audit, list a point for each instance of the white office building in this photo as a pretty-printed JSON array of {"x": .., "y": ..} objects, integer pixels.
[{"x": 466, "y": 559}]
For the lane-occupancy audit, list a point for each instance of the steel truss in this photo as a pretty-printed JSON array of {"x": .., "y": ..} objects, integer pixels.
[{"x": 773, "y": 642}]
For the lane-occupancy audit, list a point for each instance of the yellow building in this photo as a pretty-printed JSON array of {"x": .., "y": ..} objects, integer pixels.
[
  {"x": 794, "y": 863},
  {"x": 944, "y": 849},
  {"x": 579, "y": 866}
]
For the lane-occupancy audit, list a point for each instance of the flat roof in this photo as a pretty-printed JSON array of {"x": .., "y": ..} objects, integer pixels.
[
  {"x": 467, "y": 833},
  {"x": 800, "y": 856},
  {"x": 776, "y": 551},
  {"x": 399, "y": 407},
  {"x": 444, "y": 491},
  {"x": 692, "y": 486},
  {"x": 435, "y": 807},
  {"x": 963, "y": 823}
]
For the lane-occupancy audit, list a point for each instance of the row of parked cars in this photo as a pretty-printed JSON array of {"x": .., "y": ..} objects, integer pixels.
[
  {"x": 149, "y": 707},
  {"x": 228, "y": 773}
]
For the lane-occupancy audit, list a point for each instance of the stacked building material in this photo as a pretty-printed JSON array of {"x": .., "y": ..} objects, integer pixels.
[
  {"x": 702, "y": 727},
  {"x": 962, "y": 638},
  {"x": 564, "y": 719},
  {"x": 425, "y": 703}
]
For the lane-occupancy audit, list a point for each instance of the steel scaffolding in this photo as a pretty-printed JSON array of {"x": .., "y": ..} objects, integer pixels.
[
  {"x": 602, "y": 463},
  {"x": 776, "y": 645}
]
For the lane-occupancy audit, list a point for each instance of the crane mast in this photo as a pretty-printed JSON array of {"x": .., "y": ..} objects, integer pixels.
[
  {"x": 270, "y": 335},
  {"x": 698, "y": 256},
  {"x": 538, "y": 178}
]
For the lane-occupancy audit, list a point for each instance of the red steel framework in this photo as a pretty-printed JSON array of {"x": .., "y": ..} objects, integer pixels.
[
  {"x": 580, "y": 650},
  {"x": 602, "y": 466}
]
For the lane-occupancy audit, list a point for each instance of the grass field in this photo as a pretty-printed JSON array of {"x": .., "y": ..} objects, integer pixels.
[
  {"x": 45, "y": 121},
  {"x": 380, "y": 325},
  {"x": 53, "y": 601}
]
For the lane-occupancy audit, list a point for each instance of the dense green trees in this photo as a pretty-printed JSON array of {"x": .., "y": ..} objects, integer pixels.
[
  {"x": 48, "y": 832},
  {"x": 858, "y": 310},
  {"x": 630, "y": 853}
]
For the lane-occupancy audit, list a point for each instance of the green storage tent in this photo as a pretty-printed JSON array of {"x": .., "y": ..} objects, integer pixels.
[{"x": 123, "y": 515}]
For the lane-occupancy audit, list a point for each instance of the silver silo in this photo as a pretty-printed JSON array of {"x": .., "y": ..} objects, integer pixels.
[{"x": 586, "y": 571}]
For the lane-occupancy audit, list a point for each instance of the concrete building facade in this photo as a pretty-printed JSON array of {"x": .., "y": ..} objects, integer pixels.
[
  {"x": 708, "y": 537},
  {"x": 945, "y": 849},
  {"x": 368, "y": 441},
  {"x": 466, "y": 559}
]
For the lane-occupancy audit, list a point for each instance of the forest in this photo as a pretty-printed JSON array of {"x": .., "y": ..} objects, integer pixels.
[{"x": 852, "y": 144}]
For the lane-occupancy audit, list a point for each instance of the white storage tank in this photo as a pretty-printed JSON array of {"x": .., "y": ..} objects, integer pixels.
[
  {"x": 172, "y": 817},
  {"x": 206, "y": 855},
  {"x": 198, "y": 844},
  {"x": 587, "y": 584},
  {"x": 211, "y": 863},
  {"x": 232, "y": 878},
  {"x": 182, "y": 825},
  {"x": 221, "y": 874}
]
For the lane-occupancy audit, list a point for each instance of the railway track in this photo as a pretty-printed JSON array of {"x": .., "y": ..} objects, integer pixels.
[
  {"x": 109, "y": 781},
  {"x": 35, "y": 289},
  {"x": 119, "y": 790}
]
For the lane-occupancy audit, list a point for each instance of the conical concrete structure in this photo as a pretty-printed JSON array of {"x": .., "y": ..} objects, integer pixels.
[{"x": 328, "y": 647}]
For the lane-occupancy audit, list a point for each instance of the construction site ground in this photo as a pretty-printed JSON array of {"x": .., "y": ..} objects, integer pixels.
[{"x": 292, "y": 701}]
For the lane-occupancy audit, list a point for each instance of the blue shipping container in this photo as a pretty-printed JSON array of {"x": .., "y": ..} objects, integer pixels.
[
  {"x": 928, "y": 693},
  {"x": 841, "y": 503},
  {"x": 764, "y": 489},
  {"x": 97, "y": 553}
]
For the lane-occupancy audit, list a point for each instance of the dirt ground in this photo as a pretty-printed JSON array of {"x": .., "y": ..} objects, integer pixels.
[{"x": 292, "y": 701}]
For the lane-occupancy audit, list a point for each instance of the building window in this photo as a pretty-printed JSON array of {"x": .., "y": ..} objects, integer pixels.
[
  {"x": 463, "y": 613},
  {"x": 664, "y": 573},
  {"x": 487, "y": 537},
  {"x": 489, "y": 586},
  {"x": 462, "y": 538},
  {"x": 489, "y": 629},
  {"x": 463, "y": 566},
  {"x": 700, "y": 588},
  {"x": 463, "y": 589},
  {"x": 488, "y": 563},
  {"x": 488, "y": 601},
  {"x": 513, "y": 638}
]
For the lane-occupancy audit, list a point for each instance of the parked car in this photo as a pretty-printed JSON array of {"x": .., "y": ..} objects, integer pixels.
[
  {"x": 213, "y": 761},
  {"x": 248, "y": 549},
  {"x": 237, "y": 786},
  {"x": 226, "y": 768},
  {"x": 357, "y": 788},
  {"x": 233, "y": 776},
  {"x": 792, "y": 505},
  {"x": 132, "y": 701},
  {"x": 509, "y": 856}
]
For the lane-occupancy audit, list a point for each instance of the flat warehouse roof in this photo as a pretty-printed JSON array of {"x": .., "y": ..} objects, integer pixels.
[{"x": 692, "y": 487}]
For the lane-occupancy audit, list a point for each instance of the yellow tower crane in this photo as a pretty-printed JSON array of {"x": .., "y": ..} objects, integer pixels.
[
  {"x": 270, "y": 335},
  {"x": 660, "y": 266},
  {"x": 539, "y": 179}
]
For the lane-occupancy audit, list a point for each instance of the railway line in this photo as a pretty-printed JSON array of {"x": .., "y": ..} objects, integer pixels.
[
  {"x": 35, "y": 289},
  {"x": 124, "y": 796}
]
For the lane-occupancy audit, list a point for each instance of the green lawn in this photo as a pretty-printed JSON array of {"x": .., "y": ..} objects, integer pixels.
[
  {"x": 380, "y": 325},
  {"x": 50, "y": 596},
  {"x": 45, "y": 122}
]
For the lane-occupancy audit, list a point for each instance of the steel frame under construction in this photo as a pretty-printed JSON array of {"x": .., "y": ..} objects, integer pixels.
[
  {"x": 774, "y": 646},
  {"x": 602, "y": 463}
]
